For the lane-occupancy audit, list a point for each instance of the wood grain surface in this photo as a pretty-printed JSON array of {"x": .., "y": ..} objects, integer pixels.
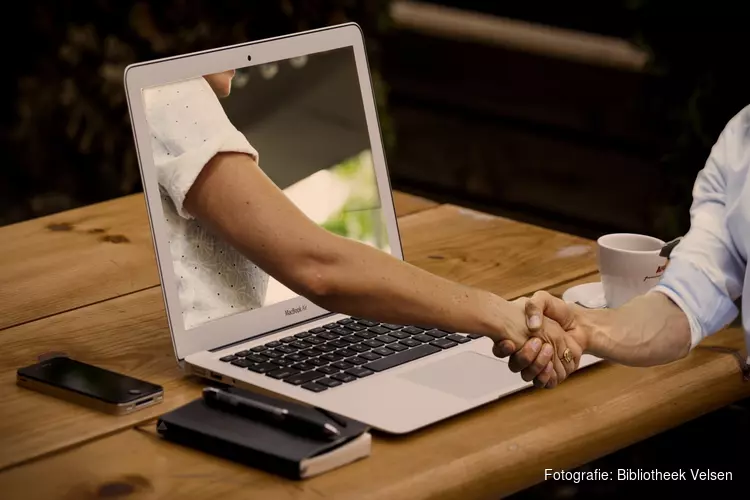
[
  {"x": 52, "y": 449},
  {"x": 486, "y": 453},
  {"x": 497, "y": 254},
  {"x": 129, "y": 333},
  {"x": 75, "y": 258}
]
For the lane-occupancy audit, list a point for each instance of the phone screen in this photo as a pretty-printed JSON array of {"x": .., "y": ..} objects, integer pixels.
[{"x": 105, "y": 385}]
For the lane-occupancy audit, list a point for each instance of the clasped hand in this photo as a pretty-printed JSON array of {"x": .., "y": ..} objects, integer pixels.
[{"x": 553, "y": 329}]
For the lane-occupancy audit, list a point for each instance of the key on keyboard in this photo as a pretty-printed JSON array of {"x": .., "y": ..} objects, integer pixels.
[
  {"x": 329, "y": 382},
  {"x": 443, "y": 343},
  {"x": 341, "y": 331},
  {"x": 344, "y": 377},
  {"x": 262, "y": 367},
  {"x": 315, "y": 359},
  {"x": 314, "y": 387},
  {"x": 461, "y": 339},
  {"x": 383, "y": 351},
  {"x": 437, "y": 333},
  {"x": 303, "y": 378},
  {"x": 242, "y": 363},
  {"x": 402, "y": 357},
  {"x": 282, "y": 373},
  {"x": 254, "y": 358},
  {"x": 359, "y": 372},
  {"x": 386, "y": 339}
]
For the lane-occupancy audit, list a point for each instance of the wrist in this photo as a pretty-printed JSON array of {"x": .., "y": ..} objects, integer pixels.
[
  {"x": 594, "y": 332},
  {"x": 504, "y": 320}
]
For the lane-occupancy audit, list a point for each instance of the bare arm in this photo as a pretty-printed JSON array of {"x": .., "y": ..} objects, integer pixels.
[
  {"x": 240, "y": 203},
  {"x": 647, "y": 331}
]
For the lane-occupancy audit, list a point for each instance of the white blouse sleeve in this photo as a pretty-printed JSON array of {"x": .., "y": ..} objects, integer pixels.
[{"x": 188, "y": 128}]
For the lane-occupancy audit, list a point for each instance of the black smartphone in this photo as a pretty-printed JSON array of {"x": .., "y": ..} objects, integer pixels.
[{"x": 89, "y": 386}]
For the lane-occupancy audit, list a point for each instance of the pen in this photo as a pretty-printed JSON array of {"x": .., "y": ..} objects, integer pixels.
[{"x": 301, "y": 424}]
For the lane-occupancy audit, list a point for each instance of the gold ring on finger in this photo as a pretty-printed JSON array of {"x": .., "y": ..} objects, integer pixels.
[{"x": 568, "y": 355}]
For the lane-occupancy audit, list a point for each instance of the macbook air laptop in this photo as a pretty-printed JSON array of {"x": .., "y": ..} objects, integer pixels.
[{"x": 305, "y": 102}]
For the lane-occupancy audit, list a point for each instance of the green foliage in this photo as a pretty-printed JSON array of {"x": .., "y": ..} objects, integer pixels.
[
  {"x": 360, "y": 216},
  {"x": 66, "y": 131}
]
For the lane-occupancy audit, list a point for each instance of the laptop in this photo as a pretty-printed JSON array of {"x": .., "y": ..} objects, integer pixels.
[{"x": 305, "y": 102}]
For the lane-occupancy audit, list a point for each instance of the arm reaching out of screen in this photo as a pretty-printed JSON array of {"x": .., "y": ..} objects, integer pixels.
[
  {"x": 242, "y": 205},
  {"x": 210, "y": 172}
]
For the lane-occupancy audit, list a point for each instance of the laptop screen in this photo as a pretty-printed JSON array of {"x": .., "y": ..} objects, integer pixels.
[{"x": 304, "y": 121}]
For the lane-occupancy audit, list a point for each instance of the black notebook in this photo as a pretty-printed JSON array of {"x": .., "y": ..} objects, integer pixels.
[{"x": 263, "y": 445}]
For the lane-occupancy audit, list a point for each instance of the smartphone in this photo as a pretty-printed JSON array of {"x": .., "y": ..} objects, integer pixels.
[{"x": 89, "y": 386}]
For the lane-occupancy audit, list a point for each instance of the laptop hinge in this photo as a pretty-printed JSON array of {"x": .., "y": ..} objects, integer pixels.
[{"x": 287, "y": 327}]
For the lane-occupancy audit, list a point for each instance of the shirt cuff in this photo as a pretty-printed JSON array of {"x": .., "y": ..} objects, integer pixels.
[
  {"x": 706, "y": 306},
  {"x": 696, "y": 332},
  {"x": 178, "y": 175}
]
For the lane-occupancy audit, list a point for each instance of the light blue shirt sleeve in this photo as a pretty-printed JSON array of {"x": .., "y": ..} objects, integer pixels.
[{"x": 705, "y": 273}]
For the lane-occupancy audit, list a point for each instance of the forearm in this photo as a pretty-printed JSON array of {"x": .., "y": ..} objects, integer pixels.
[
  {"x": 649, "y": 330},
  {"x": 363, "y": 281},
  {"x": 245, "y": 208}
]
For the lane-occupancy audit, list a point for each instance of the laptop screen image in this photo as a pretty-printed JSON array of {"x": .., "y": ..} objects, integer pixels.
[{"x": 304, "y": 121}]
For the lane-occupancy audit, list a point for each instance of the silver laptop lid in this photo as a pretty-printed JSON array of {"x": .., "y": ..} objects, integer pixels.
[{"x": 304, "y": 103}]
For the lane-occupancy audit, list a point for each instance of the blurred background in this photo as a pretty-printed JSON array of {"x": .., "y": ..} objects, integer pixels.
[
  {"x": 583, "y": 115},
  {"x": 515, "y": 107}
]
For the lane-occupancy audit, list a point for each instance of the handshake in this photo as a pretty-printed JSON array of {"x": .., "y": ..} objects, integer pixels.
[{"x": 555, "y": 340}]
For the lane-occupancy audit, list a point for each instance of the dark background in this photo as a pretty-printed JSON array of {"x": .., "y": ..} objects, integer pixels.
[
  {"x": 558, "y": 142},
  {"x": 583, "y": 147}
]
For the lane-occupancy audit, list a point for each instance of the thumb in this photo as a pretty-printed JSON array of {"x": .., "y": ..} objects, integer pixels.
[
  {"x": 503, "y": 349},
  {"x": 544, "y": 304},
  {"x": 533, "y": 315}
]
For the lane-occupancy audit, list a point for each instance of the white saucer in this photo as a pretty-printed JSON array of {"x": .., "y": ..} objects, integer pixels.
[{"x": 589, "y": 295}]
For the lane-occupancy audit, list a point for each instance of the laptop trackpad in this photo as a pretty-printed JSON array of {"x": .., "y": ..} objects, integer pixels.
[{"x": 468, "y": 375}]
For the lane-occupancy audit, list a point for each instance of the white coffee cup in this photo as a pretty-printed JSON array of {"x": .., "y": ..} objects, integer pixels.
[{"x": 629, "y": 265}]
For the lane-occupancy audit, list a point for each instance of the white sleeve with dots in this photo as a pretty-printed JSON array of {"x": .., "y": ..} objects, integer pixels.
[{"x": 188, "y": 128}]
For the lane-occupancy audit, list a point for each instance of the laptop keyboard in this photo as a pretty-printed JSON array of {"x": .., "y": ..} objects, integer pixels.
[{"x": 343, "y": 352}]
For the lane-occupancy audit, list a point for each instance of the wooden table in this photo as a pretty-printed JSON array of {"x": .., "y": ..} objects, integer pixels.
[{"x": 84, "y": 282}]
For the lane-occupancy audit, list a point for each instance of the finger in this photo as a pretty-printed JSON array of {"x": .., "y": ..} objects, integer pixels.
[
  {"x": 503, "y": 349},
  {"x": 525, "y": 355},
  {"x": 559, "y": 368},
  {"x": 546, "y": 376},
  {"x": 576, "y": 353},
  {"x": 552, "y": 381},
  {"x": 559, "y": 345},
  {"x": 539, "y": 364},
  {"x": 547, "y": 379}
]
